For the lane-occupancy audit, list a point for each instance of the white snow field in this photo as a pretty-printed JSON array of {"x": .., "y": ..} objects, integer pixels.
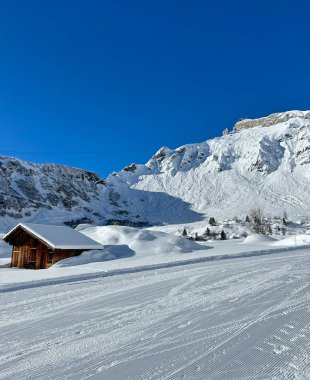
[
  {"x": 246, "y": 318},
  {"x": 128, "y": 249}
]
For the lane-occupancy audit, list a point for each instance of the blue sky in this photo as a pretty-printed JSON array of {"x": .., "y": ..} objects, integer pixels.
[{"x": 101, "y": 84}]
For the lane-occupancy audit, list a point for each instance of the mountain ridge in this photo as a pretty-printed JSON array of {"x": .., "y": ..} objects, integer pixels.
[
  {"x": 262, "y": 165},
  {"x": 268, "y": 167}
]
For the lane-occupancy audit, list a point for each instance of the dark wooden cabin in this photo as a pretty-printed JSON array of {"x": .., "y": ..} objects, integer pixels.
[{"x": 38, "y": 246}]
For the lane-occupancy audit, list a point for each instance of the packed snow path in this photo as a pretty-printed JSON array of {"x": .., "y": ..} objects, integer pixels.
[{"x": 247, "y": 318}]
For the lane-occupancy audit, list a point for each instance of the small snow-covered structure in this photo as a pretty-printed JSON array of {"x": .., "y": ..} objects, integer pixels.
[{"x": 38, "y": 246}]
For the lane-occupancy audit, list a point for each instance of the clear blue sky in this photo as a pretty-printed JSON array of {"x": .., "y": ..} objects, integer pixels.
[{"x": 100, "y": 84}]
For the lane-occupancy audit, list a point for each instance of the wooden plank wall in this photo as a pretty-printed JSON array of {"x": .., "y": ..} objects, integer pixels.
[
  {"x": 26, "y": 255},
  {"x": 39, "y": 257},
  {"x": 61, "y": 254}
]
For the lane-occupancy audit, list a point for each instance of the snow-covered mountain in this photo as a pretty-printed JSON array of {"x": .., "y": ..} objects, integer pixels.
[
  {"x": 55, "y": 194},
  {"x": 262, "y": 163}
]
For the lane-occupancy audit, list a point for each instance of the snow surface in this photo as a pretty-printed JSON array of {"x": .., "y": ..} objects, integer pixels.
[
  {"x": 258, "y": 239},
  {"x": 141, "y": 240},
  {"x": 293, "y": 241},
  {"x": 234, "y": 319},
  {"x": 128, "y": 249},
  {"x": 226, "y": 177}
]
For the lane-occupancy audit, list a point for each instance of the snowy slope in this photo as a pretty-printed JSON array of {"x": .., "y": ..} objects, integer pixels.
[
  {"x": 240, "y": 319},
  {"x": 259, "y": 164}
]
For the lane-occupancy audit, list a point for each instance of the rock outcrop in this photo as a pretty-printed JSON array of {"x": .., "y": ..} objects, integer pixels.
[{"x": 270, "y": 120}]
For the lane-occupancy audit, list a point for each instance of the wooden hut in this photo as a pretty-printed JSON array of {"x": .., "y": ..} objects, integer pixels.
[{"x": 38, "y": 246}]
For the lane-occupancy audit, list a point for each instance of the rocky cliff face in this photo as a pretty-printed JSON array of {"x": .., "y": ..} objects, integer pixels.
[
  {"x": 273, "y": 119},
  {"x": 55, "y": 194}
]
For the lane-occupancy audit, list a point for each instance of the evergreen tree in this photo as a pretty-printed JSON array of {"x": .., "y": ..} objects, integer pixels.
[
  {"x": 206, "y": 234},
  {"x": 184, "y": 233},
  {"x": 223, "y": 235},
  {"x": 212, "y": 221}
]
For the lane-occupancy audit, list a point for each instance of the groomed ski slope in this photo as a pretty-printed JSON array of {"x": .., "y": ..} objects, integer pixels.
[{"x": 247, "y": 318}]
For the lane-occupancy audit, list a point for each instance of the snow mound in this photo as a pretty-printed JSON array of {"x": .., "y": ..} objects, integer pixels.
[
  {"x": 255, "y": 239},
  {"x": 141, "y": 240},
  {"x": 130, "y": 243},
  {"x": 292, "y": 241},
  {"x": 96, "y": 256}
]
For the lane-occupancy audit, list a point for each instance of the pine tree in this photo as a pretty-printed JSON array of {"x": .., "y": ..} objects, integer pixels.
[
  {"x": 223, "y": 235},
  {"x": 206, "y": 234},
  {"x": 212, "y": 221},
  {"x": 184, "y": 233}
]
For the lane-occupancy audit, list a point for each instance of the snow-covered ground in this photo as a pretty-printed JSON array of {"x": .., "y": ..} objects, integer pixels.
[
  {"x": 128, "y": 249},
  {"x": 246, "y": 318}
]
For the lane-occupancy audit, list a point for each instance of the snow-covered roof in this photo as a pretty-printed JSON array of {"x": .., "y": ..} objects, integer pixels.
[{"x": 58, "y": 237}]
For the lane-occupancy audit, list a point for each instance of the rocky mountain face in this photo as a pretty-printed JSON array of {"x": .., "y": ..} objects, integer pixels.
[
  {"x": 55, "y": 194},
  {"x": 273, "y": 119},
  {"x": 263, "y": 163}
]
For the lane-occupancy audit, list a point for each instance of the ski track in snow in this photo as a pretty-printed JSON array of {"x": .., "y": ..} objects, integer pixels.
[{"x": 235, "y": 319}]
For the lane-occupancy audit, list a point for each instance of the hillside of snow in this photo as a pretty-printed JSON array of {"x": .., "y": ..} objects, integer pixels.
[{"x": 261, "y": 165}]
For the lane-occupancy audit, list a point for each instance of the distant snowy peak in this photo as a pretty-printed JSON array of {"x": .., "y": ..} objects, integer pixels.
[
  {"x": 261, "y": 149},
  {"x": 271, "y": 120},
  {"x": 253, "y": 166},
  {"x": 181, "y": 159}
]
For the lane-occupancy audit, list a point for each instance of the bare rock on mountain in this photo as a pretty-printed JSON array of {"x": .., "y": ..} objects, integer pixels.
[{"x": 273, "y": 119}]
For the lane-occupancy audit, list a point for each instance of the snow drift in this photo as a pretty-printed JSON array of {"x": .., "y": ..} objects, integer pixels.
[
  {"x": 258, "y": 239},
  {"x": 293, "y": 241},
  {"x": 124, "y": 242}
]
